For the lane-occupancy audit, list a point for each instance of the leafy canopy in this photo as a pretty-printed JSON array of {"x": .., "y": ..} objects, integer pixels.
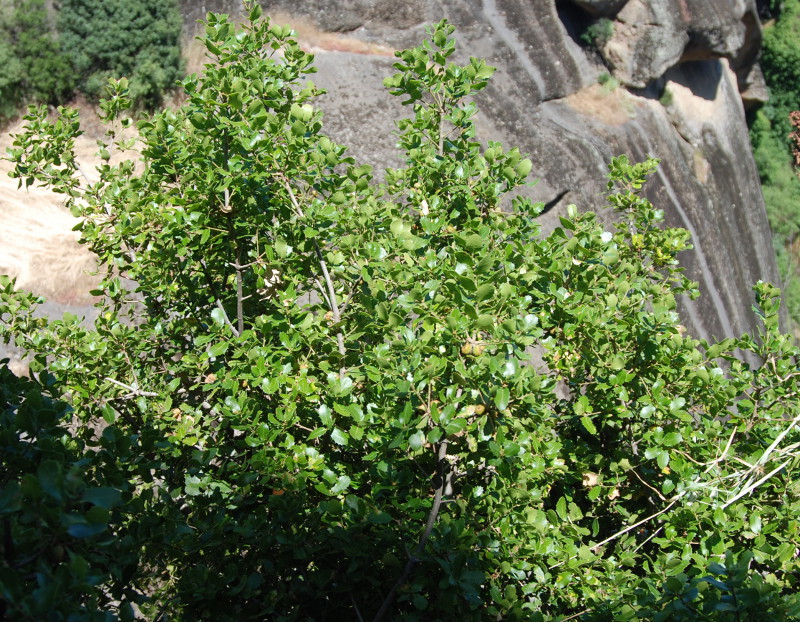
[{"x": 311, "y": 395}]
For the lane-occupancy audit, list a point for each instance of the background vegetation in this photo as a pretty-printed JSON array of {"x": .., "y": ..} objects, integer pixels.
[
  {"x": 32, "y": 66},
  {"x": 45, "y": 58},
  {"x": 138, "y": 39},
  {"x": 770, "y": 135},
  {"x": 319, "y": 400}
]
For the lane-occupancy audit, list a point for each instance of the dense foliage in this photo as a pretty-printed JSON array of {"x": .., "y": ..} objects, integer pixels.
[
  {"x": 32, "y": 67},
  {"x": 95, "y": 40},
  {"x": 311, "y": 396},
  {"x": 138, "y": 39},
  {"x": 769, "y": 132}
]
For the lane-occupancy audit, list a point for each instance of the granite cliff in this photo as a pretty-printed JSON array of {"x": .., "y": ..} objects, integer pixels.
[{"x": 676, "y": 78}]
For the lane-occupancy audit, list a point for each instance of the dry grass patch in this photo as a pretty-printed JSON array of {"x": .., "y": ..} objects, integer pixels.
[{"x": 611, "y": 106}]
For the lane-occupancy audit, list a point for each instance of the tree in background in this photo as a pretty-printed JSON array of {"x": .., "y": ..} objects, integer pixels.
[
  {"x": 769, "y": 132},
  {"x": 32, "y": 67},
  {"x": 321, "y": 401},
  {"x": 137, "y": 39}
]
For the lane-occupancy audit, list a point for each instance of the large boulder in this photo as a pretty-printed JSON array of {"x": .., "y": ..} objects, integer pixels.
[
  {"x": 649, "y": 36},
  {"x": 602, "y": 8}
]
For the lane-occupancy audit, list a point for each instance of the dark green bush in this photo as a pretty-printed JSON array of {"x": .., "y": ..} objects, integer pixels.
[
  {"x": 137, "y": 39},
  {"x": 32, "y": 67},
  {"x": 56, "y": 548},
  {"x": 769, "y": 133},
  {"x": 598, "y": 33},
  {"x": 11, "y": 75}
]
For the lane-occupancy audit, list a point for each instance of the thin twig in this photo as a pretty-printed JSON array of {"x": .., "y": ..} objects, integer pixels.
[
  {"x": 724, "y": 452},
  {"x": 765, "y": 456},
  {"x": 655, "y": 490},
  {"x": 293, "y": 198},
  {"x": 751, "y": 487},
  {"x": 331, "y": 298},
  {"x": 226, "y": 318},
  {"x": 650, "y": 537},
  {"x": 622, "y": 532},
  {"x": 576, "y": 615},
  {"x": 239, "y": 290},
  {"x": 213, "y": 289},
  {"x": 346, "y": 303},
  {"x": 355, "y": 607},
  {"x": 323, "y": 292},
  {"x": 337, "y": 317},
  {"x": 133, "y": 390}
]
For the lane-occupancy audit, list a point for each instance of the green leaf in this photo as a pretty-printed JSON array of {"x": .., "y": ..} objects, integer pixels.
[
  {"x": 523, "y": 168},
  {"x": 501, "y": 398},
  {"x": 484, "y": 292},
  {"x": 103, "y": 497},
  {"x": 339, "y": 437},
  {"x": 474, "y": 242},
  {"x": 587, "y": 423},
  {"x": 356, "y": 433},
  {"x": 561, "y": 508},
  {"x": 218, "y": 316},
  {"x": 484, "y": 322},
  {"x": 192, "y": 485},
  {"x": 416, "y": 440},
  {"x": 109, "y": 414},
  {"x": 86, "y": 530},
  {"x": 218, "y": 349},
  {"x": 51, "y": 479},
  {"x": 342, "y": 483},
  {"x": 282, "y": 248}
]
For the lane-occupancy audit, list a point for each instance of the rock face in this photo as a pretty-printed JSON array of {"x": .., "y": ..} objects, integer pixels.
[{"x": 678, "y": 74}]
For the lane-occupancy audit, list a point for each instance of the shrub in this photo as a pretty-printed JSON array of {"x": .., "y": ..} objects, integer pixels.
[
  {"x": 319, "y": 400},
  {"x": 57, "y": 499},
  {"x": 32, "y": 67},
  {"x": 598, "y": 33},
  {"x": 11, "y": 76},
  {"x": 138, "y": 39},
  {"x": 609, "y": 82}
]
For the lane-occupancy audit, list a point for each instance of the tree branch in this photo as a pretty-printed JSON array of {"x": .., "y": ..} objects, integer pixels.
[
  {"x": 217, "y": 300},
  {"x": 331, "y": 297},
  {"x": 337, "y": 316},
  {"x": 443, "y": 473},
  {"x": 134, "y": 392},
  {"x": 220, "y": 306},
  {"x": 622, "y": 532}
]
